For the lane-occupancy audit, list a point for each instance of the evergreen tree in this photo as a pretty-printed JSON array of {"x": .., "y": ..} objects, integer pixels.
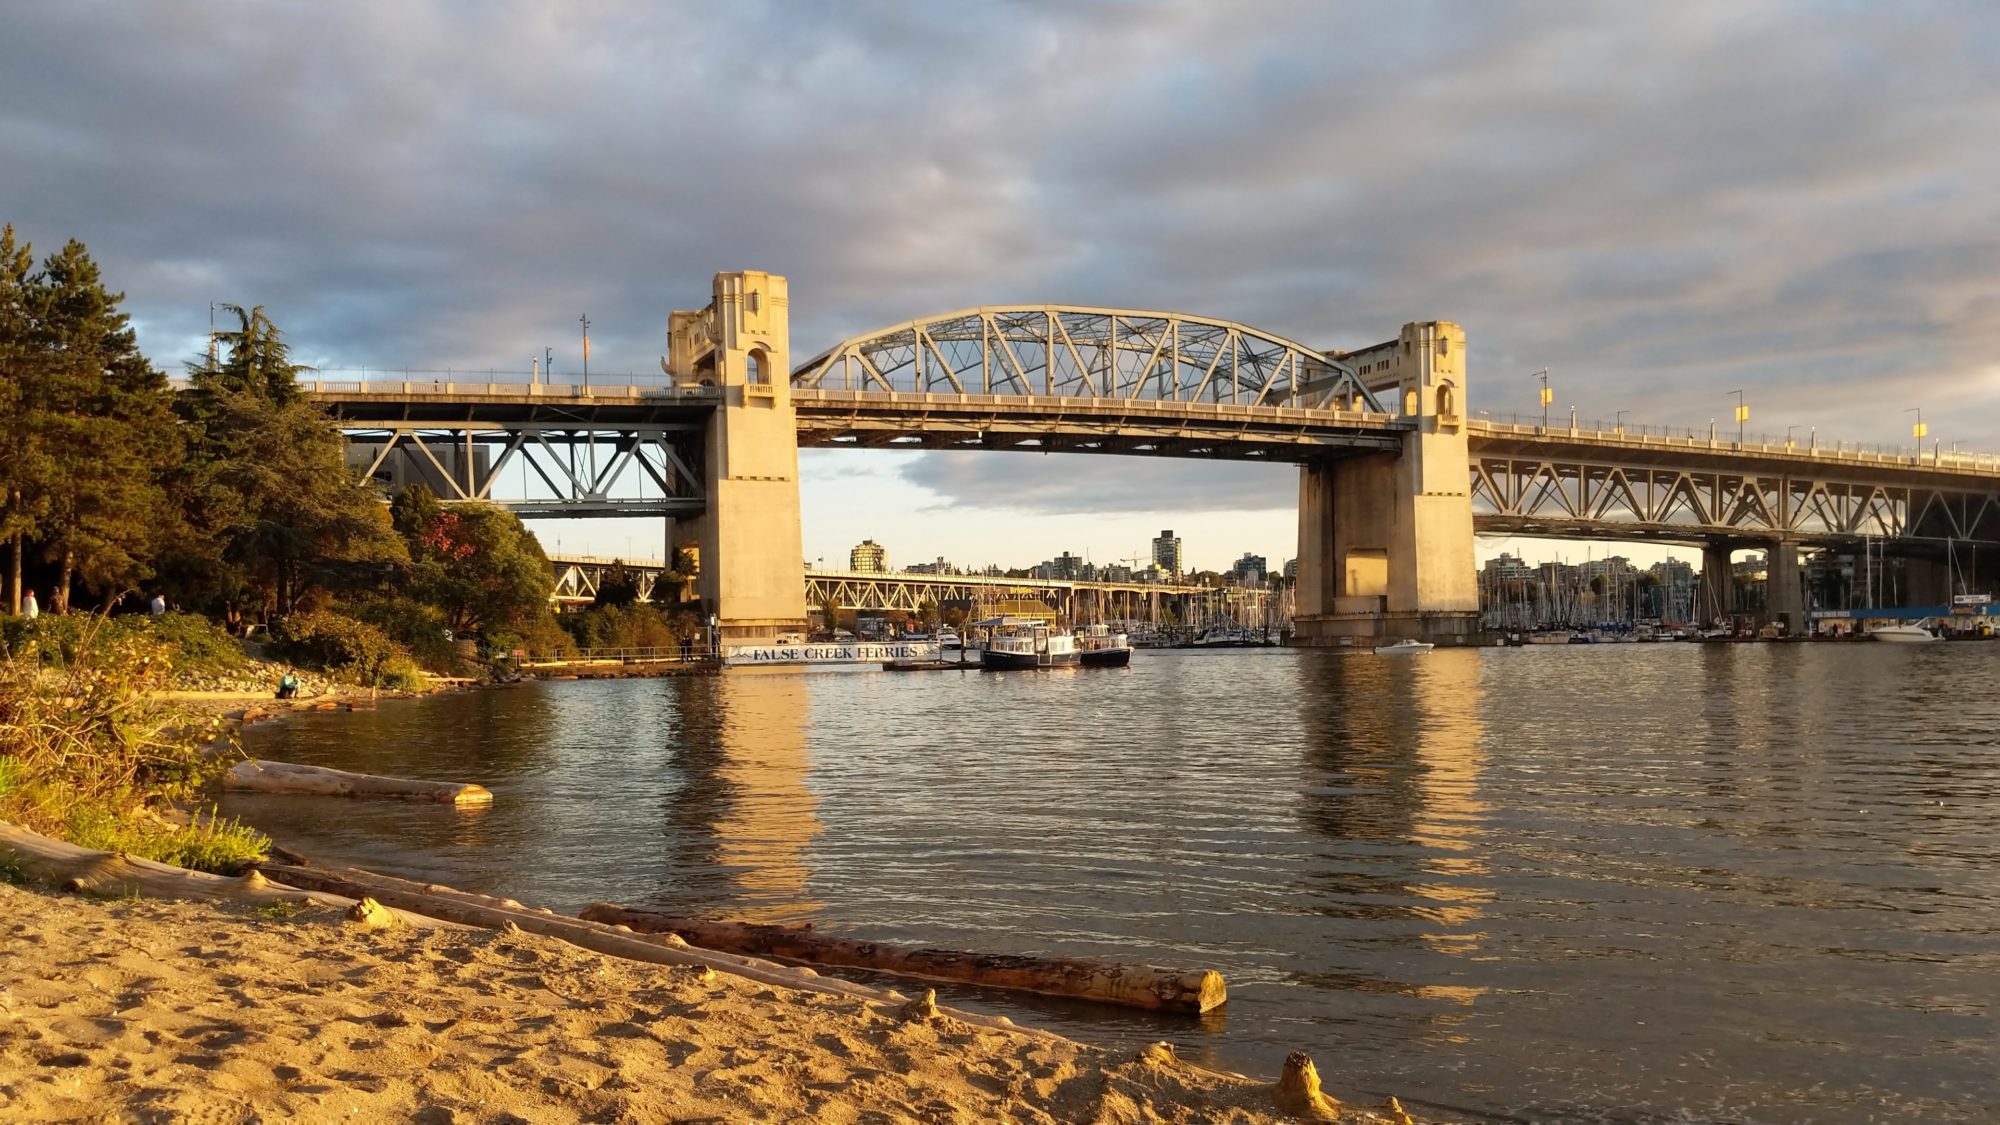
[
  {"x": 272, "y": 510},
  {"x": 106, "y": 428},
  {"x": 24, "y": 464}
]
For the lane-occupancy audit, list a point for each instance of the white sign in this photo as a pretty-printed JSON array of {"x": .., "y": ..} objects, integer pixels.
[
  {"x": 1971, "y": 599},
  {"x": 864, "y": 653}
]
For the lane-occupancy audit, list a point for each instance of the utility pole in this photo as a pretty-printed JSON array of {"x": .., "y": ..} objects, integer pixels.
[
  {"x": 585, "y": 321},
  {"x": 549, "y": 364}
]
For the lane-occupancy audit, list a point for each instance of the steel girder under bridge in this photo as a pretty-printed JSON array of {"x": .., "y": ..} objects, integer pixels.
[
  {"x": 580, "y": 451},
  {"x": 1608, "y": 485},
  {"x": 578, "y": 577}
]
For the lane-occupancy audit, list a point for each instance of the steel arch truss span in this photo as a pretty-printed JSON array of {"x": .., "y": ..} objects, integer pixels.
[
  {"x": 1069, "y": 352},
  {"x": 578, "y": 579},
  {"x": 1571, "y": 497},
  {"x": 565, "y": 469}
]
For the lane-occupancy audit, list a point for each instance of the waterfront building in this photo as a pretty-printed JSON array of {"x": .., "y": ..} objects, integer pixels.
[
  {"x": 1167, "y": 552},
  {"x": 1251, "y": 569},
  {"x": 938, "y": 567},
  {"x": 868, "y": 557},
  {"x": 1508, "y": 567}
]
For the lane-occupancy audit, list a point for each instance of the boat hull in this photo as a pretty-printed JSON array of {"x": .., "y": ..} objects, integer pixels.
[
  {"x": 1025, "y": 661},
  {"x": 1106, "y": 658}
]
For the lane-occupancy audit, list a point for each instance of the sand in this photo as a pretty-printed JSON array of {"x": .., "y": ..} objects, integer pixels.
[{"x": 171, "y": 1011}]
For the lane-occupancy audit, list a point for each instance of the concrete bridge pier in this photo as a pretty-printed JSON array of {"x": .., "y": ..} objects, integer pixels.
[
  {"x": 1784, "y": 591},
  {"x": 747, "y": 541},
  {"x": 1718, "y": 582},
  {"x": 1385, "y": 539}
]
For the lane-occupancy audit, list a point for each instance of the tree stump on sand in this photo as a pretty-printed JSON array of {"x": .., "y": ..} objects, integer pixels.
[{"x": 1298, "y": 1090}]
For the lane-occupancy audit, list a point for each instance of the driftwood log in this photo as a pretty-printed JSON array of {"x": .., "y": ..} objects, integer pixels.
[
  {"x": 260, "y": 776},
  {"x": 486, "y": 912},
  {"x": 1134, "y": 986},
  {"x": 72, "y": 868}
]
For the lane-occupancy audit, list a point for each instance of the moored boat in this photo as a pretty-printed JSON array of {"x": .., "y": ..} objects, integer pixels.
[
  {"x": 1408, "y": 646},
  {"x": 1913, "y": 634},
  {"x": 948, "y": 639},
  {"x": 1098, "y": 647},
  {"x": 1024, "y": 644}
]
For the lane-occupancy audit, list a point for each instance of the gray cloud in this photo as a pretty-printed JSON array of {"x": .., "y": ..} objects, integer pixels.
[{"x": 1661, "y": 204}]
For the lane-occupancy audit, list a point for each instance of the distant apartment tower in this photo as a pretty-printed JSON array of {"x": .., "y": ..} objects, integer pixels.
[
  {"x": 1251, "y": 569},
  {"x": 938, "y": 567},
  {"x": 1167, "y": 552},
  {"x": 868, "y": 557}
]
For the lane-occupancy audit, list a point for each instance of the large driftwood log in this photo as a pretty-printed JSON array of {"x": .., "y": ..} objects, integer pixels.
[
  {"x": 109, "y": 873},
  {"x": 1133, "y": 986},
  {"x": 494, "y": 913},
  {"x": 259, "y": 776}
]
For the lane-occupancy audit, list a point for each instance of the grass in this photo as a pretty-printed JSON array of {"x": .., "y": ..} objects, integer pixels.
[
  {"x": 278, "y": 910},
  {"x": 93, "y": 753}
]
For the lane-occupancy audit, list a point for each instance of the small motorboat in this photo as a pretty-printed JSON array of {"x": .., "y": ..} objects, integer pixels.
[
  {"x": 1902, "y": 634},
  {"x": 1408, "y": 646},
  {"x": 948, "y": 639}
]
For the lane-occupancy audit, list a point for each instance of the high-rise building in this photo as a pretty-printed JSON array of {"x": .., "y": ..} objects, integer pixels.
[
  {"x": 1251, "y": 569},
  {"x": 868, "y": 557},
  {"x": 1167, "y": 551}
]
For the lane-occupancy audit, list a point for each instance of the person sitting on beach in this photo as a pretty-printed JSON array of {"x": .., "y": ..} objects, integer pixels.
[{"x": 288, "y": 686}]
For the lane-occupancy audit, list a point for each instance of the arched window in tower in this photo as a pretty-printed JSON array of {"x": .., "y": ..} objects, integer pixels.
[
  {"x": 1446, "y": 407},
  {"x": 1410, "y": 401},
  {"x": 760, "y": 368}
]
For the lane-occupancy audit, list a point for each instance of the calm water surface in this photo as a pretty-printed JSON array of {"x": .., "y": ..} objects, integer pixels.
[{"x": 1620, "y": 883}]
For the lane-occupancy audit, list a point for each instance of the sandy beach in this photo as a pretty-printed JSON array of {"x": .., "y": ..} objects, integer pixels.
[{"x": 178, "y": 1011}]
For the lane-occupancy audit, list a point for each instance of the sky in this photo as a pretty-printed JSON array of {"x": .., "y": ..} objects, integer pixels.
[{"x": 1661, "y": 204}]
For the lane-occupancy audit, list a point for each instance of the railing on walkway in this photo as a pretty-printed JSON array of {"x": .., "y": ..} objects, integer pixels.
[
  {"x": 1716, "y": 438},
  {"x": 695, "y": 652}
]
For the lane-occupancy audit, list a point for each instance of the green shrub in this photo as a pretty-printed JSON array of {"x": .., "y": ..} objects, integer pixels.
[
  {"x": 419, "y": 628},
  {"x": 337, "y": 645},
  {"x": 198, "y": 644},
  {"x": 213, "y": 844},
  {"x": 400, "y": 673},
  {"x": 91, "y": 748}
]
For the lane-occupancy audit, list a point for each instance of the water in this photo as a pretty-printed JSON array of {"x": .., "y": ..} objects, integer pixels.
[{"x": 1619, "y": 883}]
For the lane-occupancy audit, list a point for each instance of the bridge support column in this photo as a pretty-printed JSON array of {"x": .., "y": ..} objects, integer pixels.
[
  {"x": 1385, "y": 540},
  {"x": 1784, "y": 593},
  {"x": 1927, "y": 582},
  {"x": 1718, "y": 582},
  {"x": 748, "y": 540}
]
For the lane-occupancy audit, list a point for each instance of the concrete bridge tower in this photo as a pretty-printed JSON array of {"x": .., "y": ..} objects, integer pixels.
[
  {"x": 748, "y": 540},
  {"x": 1385, "y": 539}
]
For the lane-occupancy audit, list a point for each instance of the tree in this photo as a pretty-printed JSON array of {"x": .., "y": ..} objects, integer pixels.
[
  {"x": 479, "y": 565},
  {"x": 617, "y": 586},
  {"x": 88, "y": 420},
  {"x": 23, "y": 467},
  {"x": 271, "y": 509},
  {"x": 927, "y": 612}
]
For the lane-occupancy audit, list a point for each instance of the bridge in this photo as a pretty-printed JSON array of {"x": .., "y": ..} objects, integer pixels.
[
  {"x": 578, "y": 578},
  {"x": 1394, "y": 477}
]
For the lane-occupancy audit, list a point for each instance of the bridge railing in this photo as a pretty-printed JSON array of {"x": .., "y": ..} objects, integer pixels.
[
  {"x": 1717, "y": 437},
  {"x": 461, "y": 383}
]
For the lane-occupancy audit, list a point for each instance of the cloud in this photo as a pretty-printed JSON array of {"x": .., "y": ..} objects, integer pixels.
[
  {"x": 1061, "y": 484},
  {"x": 1661, "y": 204}
]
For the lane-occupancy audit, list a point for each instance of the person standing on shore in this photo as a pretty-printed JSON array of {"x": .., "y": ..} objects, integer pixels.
[
  {"x": 30, "y": 608},
  {"x": 159, "y": 605}
]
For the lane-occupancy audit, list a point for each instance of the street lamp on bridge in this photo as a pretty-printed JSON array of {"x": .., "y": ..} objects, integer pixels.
[
  {"x": 1742, "y": 416},
  {"x": 1548, "y": 395},
  {"x": 1618, "y": 421},
  {"x": 1788, "y": 434}
]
